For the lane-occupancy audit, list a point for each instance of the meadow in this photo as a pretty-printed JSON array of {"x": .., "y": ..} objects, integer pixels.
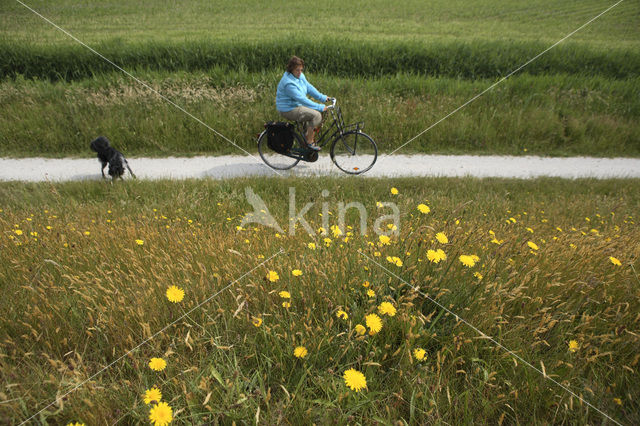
[
  {"x": 398, "y": 68},
  {"x": 268, "y": 323}
]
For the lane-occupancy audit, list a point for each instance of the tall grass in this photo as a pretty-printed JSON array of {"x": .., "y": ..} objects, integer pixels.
[
  {"x": 546, "y": 115},
  {"x": 460, "y": 59},
  {"x": 80, "y": 292}
]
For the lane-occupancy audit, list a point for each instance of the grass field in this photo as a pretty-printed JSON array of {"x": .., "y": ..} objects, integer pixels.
[
  {"x": 399, "y": 68},
  {"x": 85, "y": 268}
]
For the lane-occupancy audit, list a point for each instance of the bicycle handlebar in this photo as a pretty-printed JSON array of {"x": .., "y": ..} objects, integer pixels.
[{"x": 333, "y": 103}]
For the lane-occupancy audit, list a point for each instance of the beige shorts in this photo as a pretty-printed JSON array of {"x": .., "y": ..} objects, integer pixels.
[{"x": 302, "y": 114}]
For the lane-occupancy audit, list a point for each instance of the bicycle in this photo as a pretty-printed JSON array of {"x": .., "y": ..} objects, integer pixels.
[{"x": 352, "y": 150}]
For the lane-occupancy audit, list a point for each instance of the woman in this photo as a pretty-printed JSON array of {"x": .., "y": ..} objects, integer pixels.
[{"x": 292, "y": 101}]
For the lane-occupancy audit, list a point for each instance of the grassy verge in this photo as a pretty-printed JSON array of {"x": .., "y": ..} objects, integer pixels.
[
  {"x": 80, "y": 291},
  {"x": 547, "y": 115},
  {"x": 460, "y": 59}
]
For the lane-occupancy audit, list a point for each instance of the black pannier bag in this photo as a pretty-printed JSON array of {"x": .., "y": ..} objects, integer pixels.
[{"x": 279, "y": 136}]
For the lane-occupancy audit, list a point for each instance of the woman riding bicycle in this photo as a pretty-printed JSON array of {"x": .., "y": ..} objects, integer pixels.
[{"x": 293, "y": 104}]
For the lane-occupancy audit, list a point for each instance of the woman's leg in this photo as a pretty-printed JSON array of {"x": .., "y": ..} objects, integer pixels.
[{"x": 309, "y": 117}]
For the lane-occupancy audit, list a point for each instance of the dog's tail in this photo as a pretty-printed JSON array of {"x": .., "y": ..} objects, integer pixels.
[{"x": 100, "y": 143}]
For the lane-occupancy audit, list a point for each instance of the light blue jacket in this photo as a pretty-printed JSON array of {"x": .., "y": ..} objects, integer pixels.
[{"x": 292, "y": 93}]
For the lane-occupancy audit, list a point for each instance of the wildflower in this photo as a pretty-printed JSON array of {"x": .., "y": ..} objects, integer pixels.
[
  {"x": 573, "y": 346},
  {"x": 615, "y": 261},
  {"x": 157, "y": 364},
  {"x": 273, "y": 276},
  {"x": 394, "y": 191},
  {"x": 442, "y": 238},
  {"x": 139, "y": 242},
  {"x": 384, "y": 240},
  {"x": 285, "y": 294},
  {"x": 75, "y": 424},
  {"x": 386, "y": 308},
  {"x": 18, "y": 232},
  {"x": 161, "y": 414},
  {"x": 327, "y": 242},
  {"x": 435, "y": 256},
  {"x": 530, "y": 230},
  {"x": 336, "y": 231},
  {"x": 532, "y": 245},
  {"x": 467, "y": 260},
  {"x": 478, "y": 275},
  {"x": 365, "y": 284},
  {"x": 424, "y": 208},
  {"x": 374, "y": 323},
  {"x": 296, "y": 272},
  {"x": 391, "y": 226},
  {"x": 312, "y": 246},
  {"x": 379, "y": 204},
  {"x": 300, "y": 352},
  {"x": 371, "y": 293},
  {"x": 360, "y": 329},
  {"x": 395, "y": 260},
  {"x": 152, "y": 395},
  {"x": 419, "y": 354},
  {"x": 286, "y": 305},
  {"x": 497, "y": 241},
  {"x": 342, "y": 315},
  {"x": 617, "y": 401},
  {"x": 257, "y": 322},
  {"x": 355, "y": 380},
  {"x": 175, "y": 294},
  {"x": 87, "y": 233}
]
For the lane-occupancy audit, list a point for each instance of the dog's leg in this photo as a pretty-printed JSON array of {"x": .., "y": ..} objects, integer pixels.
[
  {"x": 103, "y": 166},
  {"x": 126, "y": 163}
]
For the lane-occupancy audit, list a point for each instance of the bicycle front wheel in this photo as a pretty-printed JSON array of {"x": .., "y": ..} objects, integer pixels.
[
  {"x": 354, "y": 152},
  {"x": 272, "y": 158}
]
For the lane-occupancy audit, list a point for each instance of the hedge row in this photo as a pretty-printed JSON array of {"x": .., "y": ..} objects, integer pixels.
[{"x": 340, "y": 58}]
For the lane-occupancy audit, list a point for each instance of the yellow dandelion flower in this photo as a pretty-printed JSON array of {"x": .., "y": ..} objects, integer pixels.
[
  {"x": 384, "y": 240},
  {"x": 467, "y": 260},
  {"x": 377, "y": 254},
  {"x": 342, "y": 315},
  {"x": 532, "y": 245},
  {"x": 478, "y": 275},
  {"x": 433, "y": 256},
  {"x": 360, "y": 329},
  {"x": 336, "y": 231},
  {"x": 419, "y": 354},
  {"x": 157, "y": 364},
  {"x": 371, "y": 293},
  {"x": 161, "y": 414},
  {"x": 386, "y": 308},
  {"x": 441, "y": 254},
  {"x": 257, "y": 322},
  {"x": 530, "y": 230},
  {"x": 312, "y": 246},
  {"x": 175, "y": 294},
  {"x": 617, "y": 401},
  {"x": 285, "y": 294},
  {"x": 355, "y": 380},
  {"x": 442, "y": 238},
  {"x": 365, "y": 284},
  {"x": 296, "y": 272},
  {"x": 152, "y": 395},
  {"x": 286, "y": 304},
  {"x": 300, "y": 352},
  {"x": 615, "y": 261},
  {"x": 394, "y": 191},
  {"x": 273, "y": 276},
  {"x": 18, "y": 231},
  {"x": 327, "y": 242},
  {"x": 374, "y": 323},
  {"x": 497, "y": 241},
  {"x": 423, "y": 208},
  {"x": 395, "y": 260},
  {"x": 139, "y": 242},
  {"x": 573, "y": 346},
  {"x": 75, "y": 424},
  {"x": 87, "y": 233}
]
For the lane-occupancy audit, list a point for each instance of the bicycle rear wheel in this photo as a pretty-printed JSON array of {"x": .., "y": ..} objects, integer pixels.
[
  {"x": 354, "y": 152},
  {"x": 272, "y": 158}
]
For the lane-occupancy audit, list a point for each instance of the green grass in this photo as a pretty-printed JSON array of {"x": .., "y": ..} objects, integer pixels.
[
  {"x": 81, "y": 293},
  {"x": 379, "y": 21},
  {"x": 546, "y": 115}
]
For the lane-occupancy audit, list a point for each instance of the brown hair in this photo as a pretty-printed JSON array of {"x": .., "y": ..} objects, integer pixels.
[{"x": 293, "y": 63}]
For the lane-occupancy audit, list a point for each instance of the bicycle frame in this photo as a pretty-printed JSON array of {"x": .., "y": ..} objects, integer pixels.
[{"x": 337, "y": 126}]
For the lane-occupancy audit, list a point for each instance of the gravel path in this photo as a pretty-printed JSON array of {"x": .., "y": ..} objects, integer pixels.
[{"x": 41, "y": 169}]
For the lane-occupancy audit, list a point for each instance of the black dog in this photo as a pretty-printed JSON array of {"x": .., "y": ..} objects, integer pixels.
[{"x": 111, "y": 156}]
